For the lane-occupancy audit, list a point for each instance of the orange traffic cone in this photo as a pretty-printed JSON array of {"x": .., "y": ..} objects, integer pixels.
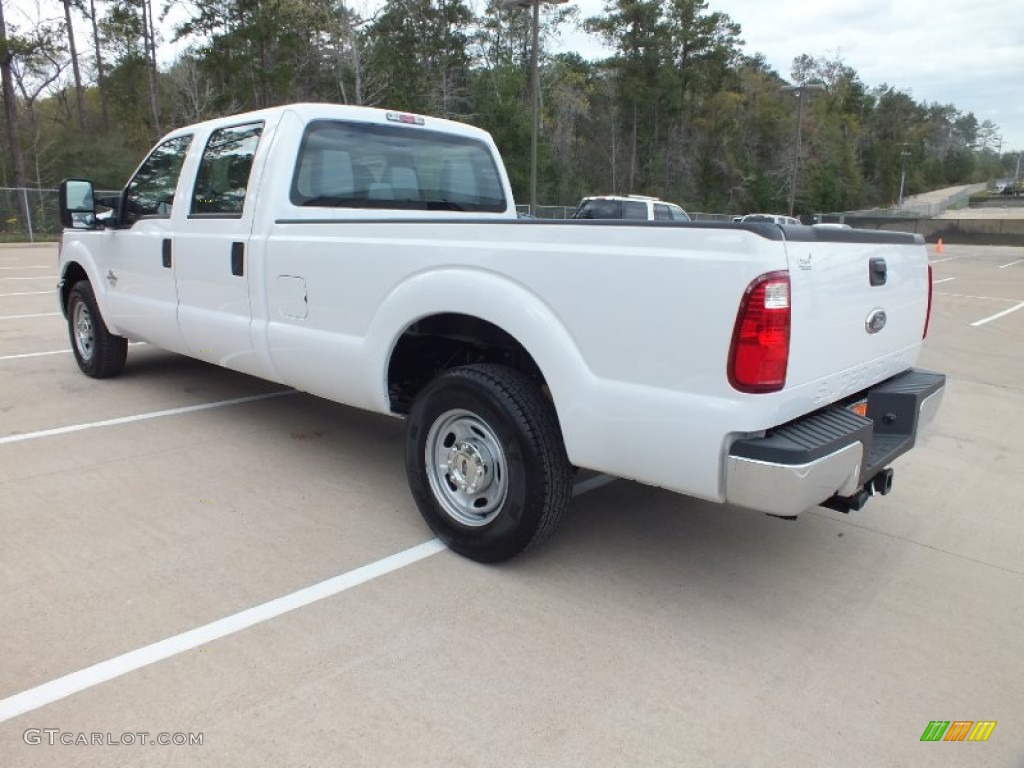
[{"x": 938, "y": 246}]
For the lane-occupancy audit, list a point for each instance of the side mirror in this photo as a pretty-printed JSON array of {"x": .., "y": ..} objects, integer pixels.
[{"x": 77, "y": 206}]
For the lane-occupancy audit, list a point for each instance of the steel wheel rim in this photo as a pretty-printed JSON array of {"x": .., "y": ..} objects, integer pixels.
[
  {"x": 466, "y": 468},
  {"x": 85, "y": 338}
]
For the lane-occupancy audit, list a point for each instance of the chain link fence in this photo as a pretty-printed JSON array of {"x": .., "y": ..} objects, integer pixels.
[{"x": 30, "y": 214}]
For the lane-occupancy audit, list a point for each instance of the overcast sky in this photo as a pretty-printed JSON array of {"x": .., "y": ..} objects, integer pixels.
[{"x": 969, "y": 53}]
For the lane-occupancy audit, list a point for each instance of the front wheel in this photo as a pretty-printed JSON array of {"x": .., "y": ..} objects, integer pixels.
[
  {"x": 98, "y": 352},
  {"x": 485, "y": 461}
]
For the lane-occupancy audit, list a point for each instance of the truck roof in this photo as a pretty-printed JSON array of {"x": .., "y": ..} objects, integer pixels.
[{"x": 320, "y": 111}]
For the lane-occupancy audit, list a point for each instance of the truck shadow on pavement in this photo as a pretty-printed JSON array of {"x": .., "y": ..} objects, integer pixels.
[{"x": 661, "y": 548}]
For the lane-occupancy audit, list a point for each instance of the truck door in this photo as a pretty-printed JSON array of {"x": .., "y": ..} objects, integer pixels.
[
  {"x": 138, "y": 276},
  {"x": 211, "y": 259}
]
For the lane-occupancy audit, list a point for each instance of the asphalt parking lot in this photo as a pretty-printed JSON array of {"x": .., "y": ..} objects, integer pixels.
[{"x": 650, "y": 630}]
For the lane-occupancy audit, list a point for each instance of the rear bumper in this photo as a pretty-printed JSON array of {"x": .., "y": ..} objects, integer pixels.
[{"x": 832, "y": 451}]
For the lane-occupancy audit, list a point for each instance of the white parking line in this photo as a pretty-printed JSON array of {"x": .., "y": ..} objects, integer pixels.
[
  {"x": 62, "y": 687},
  {"x": 1018, "y": 261},
  {"x": 139, "y": 417},
  {"x": 41, "y": 277},
  {"x": 27, "y": 267},
  {"x": 35, "y": 354},
  {"x": 939, "y": 261},
  {"x": 943, "y": 280},
  {"x": 25, "y": 317},
  {"x": 969, "y": 296},
  {"x": 53, "y": 352},
  {"x": 998, "y": 315},
  {"x": 29, "y": 293},
  {"x": 65, "y": 686}
]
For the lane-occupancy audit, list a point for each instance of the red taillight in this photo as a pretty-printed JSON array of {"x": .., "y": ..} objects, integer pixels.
[
  {"x": 760, "y": 342},
  {"x": 928, "y": 314}
]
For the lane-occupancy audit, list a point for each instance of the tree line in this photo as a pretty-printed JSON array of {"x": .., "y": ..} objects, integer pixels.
[{"x": 676, "y": 110}]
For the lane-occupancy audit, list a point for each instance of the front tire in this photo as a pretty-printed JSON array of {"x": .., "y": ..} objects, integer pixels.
[
  {"x": 99, "y": 353},
  {"x": 486, "y": 463}
]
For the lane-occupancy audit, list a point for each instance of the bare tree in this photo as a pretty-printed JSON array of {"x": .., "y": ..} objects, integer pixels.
[
  {"x": 11, "y": 111},
  {"x": 149, "y": 46},
  {"x": 194, "y": 95},
  {"x": 70, "y": 31},
  {"x": 34, "y": 75},
  {"x": 100, "y": 74}
]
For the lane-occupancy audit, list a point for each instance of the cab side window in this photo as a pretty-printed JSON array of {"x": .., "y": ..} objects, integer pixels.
[
  {"x": 634, "y": 210},
  {"x": 600, "y": 209},
  {"x": 151, "y": 190},
  {"x": 662, "y": 212},
  {"x": 223, "y": 176}
]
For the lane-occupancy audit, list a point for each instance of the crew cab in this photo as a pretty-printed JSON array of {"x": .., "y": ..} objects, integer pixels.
[{"x": 374, "y": 258}]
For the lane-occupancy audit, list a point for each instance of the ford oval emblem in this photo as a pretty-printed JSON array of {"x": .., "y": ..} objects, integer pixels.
[{"x": 875, "y": 321}]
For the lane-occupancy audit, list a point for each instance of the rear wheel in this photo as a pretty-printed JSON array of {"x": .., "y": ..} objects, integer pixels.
[
  {"x": 485, "y": 461},
  {"x": 98, "y": 352}
]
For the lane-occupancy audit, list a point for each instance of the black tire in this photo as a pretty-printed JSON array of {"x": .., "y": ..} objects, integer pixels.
[
  {"x": 502, "y": 480},
  {"x": 98, "y": 352}
]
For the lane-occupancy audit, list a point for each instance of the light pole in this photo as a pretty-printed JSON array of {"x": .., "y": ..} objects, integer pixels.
[
  {"x": 799, "y": 91},
  {"x": 534, "y": 86},
  {"x": 904, "y": 154}
]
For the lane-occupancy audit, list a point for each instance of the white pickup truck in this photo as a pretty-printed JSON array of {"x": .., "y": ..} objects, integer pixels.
[{"x": 375, "y": 258}]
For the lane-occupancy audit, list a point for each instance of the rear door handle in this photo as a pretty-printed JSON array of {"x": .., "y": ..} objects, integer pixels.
[
  {"x": 167, "y": 254},
  {"x": 238, "y": 259}
]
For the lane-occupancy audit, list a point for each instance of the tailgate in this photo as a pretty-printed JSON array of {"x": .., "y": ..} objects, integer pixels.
[{"x": 859, "y": 302}]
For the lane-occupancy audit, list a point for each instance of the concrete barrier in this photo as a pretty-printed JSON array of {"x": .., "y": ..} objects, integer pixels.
[
  {"x": 951, "y": 231},
  {"x": 1002, "y": 201}
]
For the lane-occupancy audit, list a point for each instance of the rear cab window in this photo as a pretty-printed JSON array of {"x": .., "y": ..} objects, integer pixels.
[{"x": 369, "y": 165}]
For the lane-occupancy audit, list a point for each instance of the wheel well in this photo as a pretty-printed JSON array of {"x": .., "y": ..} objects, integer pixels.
[
  {"x": 449, "y": 340},
  {"x": 72, "y": 274}
]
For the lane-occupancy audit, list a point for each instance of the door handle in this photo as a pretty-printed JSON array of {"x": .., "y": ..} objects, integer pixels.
[
  {"x": 238, "y": 259},
  {"x": 877, "y": 271},
  {"x": 167, "y": 254}
]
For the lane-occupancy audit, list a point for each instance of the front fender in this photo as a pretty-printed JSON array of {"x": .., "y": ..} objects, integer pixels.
[{"x": 76, "y": 261}]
